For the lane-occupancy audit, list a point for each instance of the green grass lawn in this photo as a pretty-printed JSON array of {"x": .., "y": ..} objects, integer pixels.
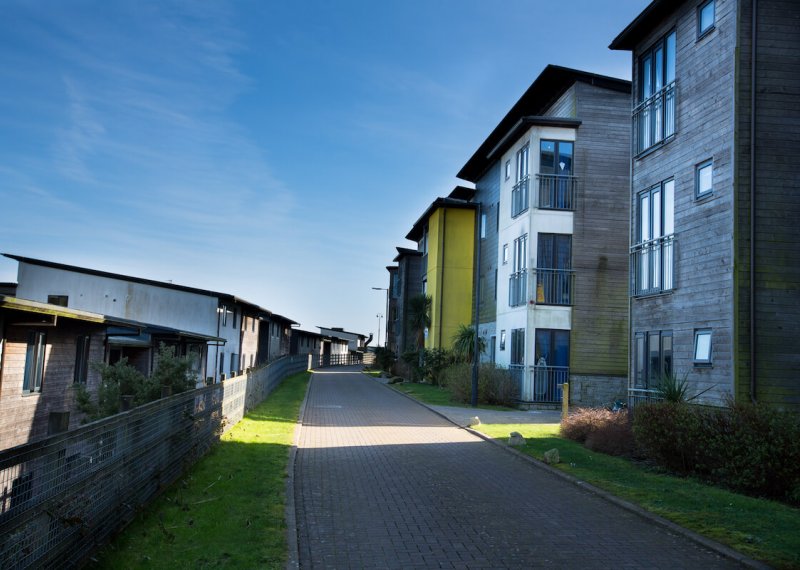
[
  {"x": 764, "y": 530},
  {"x": 228, "y": 511},
  {"x": 436, "y": 396}
]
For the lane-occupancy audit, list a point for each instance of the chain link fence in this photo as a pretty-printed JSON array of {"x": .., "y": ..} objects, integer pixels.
[{"x": 64, "y": 495}]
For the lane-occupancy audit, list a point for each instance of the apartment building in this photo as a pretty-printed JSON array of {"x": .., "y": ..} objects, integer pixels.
[
  {"x": 715, "y": 196},
  {"x": 404, "y": 283},
  {"x": 549, "y": 180},
  {"x": 445, "y": 236}
]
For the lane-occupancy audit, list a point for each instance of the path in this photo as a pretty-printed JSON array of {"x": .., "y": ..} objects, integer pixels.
[{"x": 382, "y": 482}]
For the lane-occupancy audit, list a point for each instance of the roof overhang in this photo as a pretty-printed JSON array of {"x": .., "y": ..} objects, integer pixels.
[
  {"x": 523, "y": 125},
  {"x": 416, "y": 232},
  {"x": 649, "y": 18}
]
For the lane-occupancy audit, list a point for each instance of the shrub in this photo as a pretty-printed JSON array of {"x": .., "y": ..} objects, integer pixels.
[
  {"x": 600, "y": 430},
  {"x": 384, "y": 359},
  {"x": 748, "y": 448},
  {"x": 495, "y": 386}
]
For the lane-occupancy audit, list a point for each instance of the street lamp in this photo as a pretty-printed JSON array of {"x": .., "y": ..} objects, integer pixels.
[
  {"x": 380, "y": 316},
  {"x": 386, "y": 341}
]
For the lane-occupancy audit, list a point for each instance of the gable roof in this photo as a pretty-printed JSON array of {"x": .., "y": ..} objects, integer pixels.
[
  {"x": 543, "y": 92},
  {"x": 649, "y": 18}
]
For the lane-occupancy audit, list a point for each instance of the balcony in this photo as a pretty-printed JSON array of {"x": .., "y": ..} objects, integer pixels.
[
  {"x": 557, "y": 192},
  {"x": 654, "y": 120},
  {"x": 519, "y": 196},
  {"x": 653, "y": 266},
  {"x": 540, "y": 384},
  {"x": 548, "y": 287}
]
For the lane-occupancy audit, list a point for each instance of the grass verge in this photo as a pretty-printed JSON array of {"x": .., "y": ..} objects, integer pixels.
[
  {"x": 437, "y": 396},
  {"x": 228, "y": 511},
  {"x": 761, "y": 529}
]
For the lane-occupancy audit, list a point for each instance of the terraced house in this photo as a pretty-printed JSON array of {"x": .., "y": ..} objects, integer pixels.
[
  {"x": 551, "y": 177},
  {"x": 715, "y": 267}
]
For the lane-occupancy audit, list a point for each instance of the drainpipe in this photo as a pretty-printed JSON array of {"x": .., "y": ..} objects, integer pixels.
[
  {"x": 475, "y": 355},
  {"x": 753, "y": 53},
  {"x": 631, "y": 277}
]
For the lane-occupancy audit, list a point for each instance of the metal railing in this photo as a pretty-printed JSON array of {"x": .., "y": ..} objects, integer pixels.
[
  {"x": 518, "y": 288},
  {"x": 542, "y": 384},
  {"x": 557, "y": 192},
  {"x": 653, "y": 266},
  {"x": 519, "y": 196},
  {"x": 62, "y": 496},
  {"x": 654, "y": 119},
  {"x": 554, "y": 286},
  {"x": 323, "y": 360},
  {"x": 642, "y": 395}
]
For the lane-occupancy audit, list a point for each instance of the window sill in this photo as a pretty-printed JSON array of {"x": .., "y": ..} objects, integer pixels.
[
  {"x": 703, "y": 35},
  {"x": 654, "y": 294},
  {"x": 657, "y": 146},
  {"x": 704, "y": 197},
  {"x": 703, "y": 364}
]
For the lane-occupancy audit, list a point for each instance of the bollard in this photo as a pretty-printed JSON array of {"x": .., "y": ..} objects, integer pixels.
[
  {"x": 564, "y": 400},
  {"x": 310, "y": 356}
]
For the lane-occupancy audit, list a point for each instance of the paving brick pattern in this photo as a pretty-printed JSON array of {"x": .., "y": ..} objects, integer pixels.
[{"x": 382, "y": 482}]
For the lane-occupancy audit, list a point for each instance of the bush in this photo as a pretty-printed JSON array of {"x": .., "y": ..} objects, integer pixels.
[
  {"x": 600, "y": 430},
  {"x": 384, "y": 359},
  {"x": 495, "y": 386},
  {"x": 748, "y": 448}
]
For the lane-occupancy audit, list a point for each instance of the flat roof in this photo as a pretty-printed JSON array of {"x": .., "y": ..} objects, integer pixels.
[{"x": 28, "y": 306}]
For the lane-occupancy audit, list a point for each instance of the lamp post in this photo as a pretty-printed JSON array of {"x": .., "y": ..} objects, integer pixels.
[
  {"x": 380, "y": 316},
  {"x": 386, "y": 340}
]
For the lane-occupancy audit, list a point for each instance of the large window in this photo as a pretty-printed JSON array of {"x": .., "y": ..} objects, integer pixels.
[
  {"x": 654, "y": 116},
  {"x": 82, "y": 359},
  {"x": 556, "y": 182},
  {"x": 554, "y": 269},
  {"x": 519, "y": 194},
  {"x": 518, "y": 281},
  {"x": 34, "y": 362},
  {"x": 652, "y": 259},
  {"x": 517, "y": 347},
  {"x": 652, "y": 358}
]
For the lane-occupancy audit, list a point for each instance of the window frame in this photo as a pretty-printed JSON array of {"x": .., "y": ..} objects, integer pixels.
[
  {"x": 502, "y": 339},
  {"x": 508, "y": 169},
  {"x": 663, "y": 45},
  {"x": 505, "y": 254},
  {"x": 709, "y": 360},
  {"x": 60, "y": 300},
  {"x": 666, "y": 366},
  {"x": 703, "y": 32},
  {"x": 698, "y": 195},
  {"x": 35, "y": 355},
  {"x": 483, "y": 225},
  {"x": 83, "y": 345}
]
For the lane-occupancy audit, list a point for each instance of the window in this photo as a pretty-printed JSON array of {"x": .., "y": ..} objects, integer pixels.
[
  {"x": 221, "y": 363},
  {"x": 60, "y": 300},
  {"x": 652, "y": 358},
  {"x": 519, "y": 194},
  {"x": 234, "y": 363},
  {"x": 233, "y": 318},
  {"x": 508, "y": 169},
  {"x": 518, "y": 281},
  {"x": 554, "y": 269},
  {"x": 702, "y": 347},
  {"x": 497, "y": 218},
  {"x": 492, "y": 349},
  {"x": 82, "y": 358},
  {"x": 517, "y": 347},
  {"x": 654, "y": 116},
  {"x": 505, "y": 254},
  {"x": 556, "y": 187},
  {"x": 424, "y": 244},
  {"x": 483, "y": 226},
  {"x": 652, "y": 256},
  {"x": 705, "y": 18},
  {"x": 502, "y": 340},
  {"x": 703, "y": 179},
  {"x": 34, "y": 362}
]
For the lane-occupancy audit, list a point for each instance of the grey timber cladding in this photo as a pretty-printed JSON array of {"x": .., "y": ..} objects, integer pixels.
[
  {"x": 703, "y": 251},
  {"x": 600, "y": 244},
  {"x": 488, "y": 194},
  {"x": 777, "y": 203},
  {"x": 409, "y": 268}
]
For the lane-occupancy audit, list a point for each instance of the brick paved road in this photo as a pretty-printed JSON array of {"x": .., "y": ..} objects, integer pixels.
[{"x": 381, "y": 482}]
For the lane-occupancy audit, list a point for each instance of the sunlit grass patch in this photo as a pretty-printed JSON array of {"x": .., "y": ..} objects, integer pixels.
[{"x": 229, "y": 509}]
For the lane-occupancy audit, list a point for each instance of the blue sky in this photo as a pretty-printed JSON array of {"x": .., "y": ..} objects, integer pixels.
[{"x": 278, "y": 151}]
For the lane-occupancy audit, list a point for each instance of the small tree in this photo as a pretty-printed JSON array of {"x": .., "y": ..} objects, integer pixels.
[
  {"x": 464, "y": 344},
  {"x": 419, "y": 316},
  {"x": 173, "y": 372}
]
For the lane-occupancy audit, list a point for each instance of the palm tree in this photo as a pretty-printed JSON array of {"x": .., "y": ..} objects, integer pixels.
[
  {"x": 419, "y": 316},
  {"x": 464, "y": 343}
]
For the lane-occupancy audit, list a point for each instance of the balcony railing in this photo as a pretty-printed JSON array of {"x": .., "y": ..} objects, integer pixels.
[
  {"x": 653, "y": 266},
  {"x": 518, "y": 288},
  {"x": 654, "y": 119},
  {"x": 554, "y": 286},
  {"x": 642, "y": 395},
  {"x": 519, "y": 197},
  {"x": 557, "y": 192},
  {"x": 541, "y": 384}
]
